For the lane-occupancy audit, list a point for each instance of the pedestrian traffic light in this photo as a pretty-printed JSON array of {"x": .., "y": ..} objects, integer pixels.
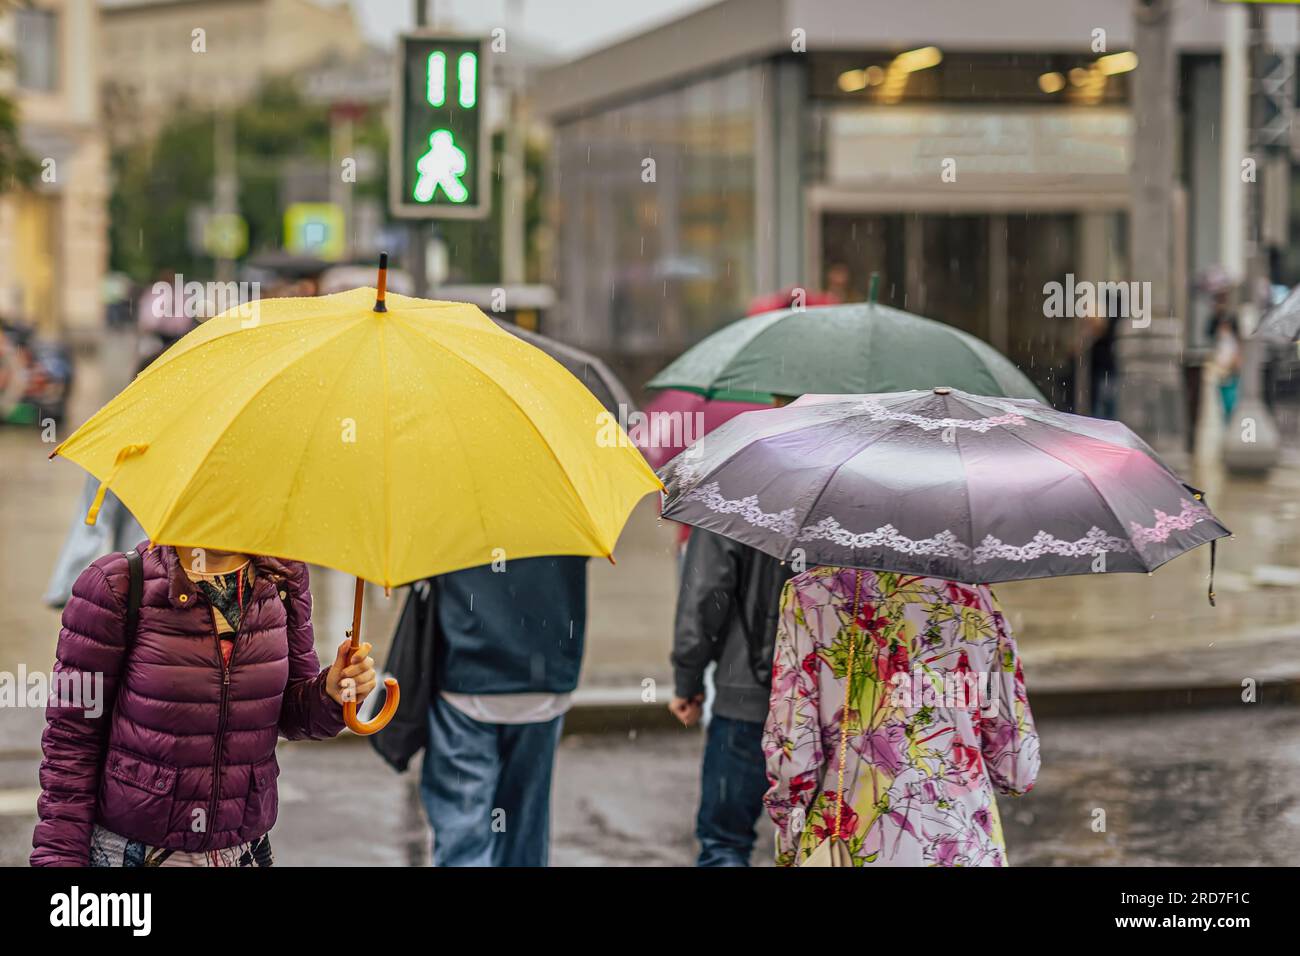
[{"x": 440, "y": 153}]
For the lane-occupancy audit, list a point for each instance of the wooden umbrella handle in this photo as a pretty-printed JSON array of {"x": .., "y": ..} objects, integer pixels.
[{"x": 392, "y": 693}]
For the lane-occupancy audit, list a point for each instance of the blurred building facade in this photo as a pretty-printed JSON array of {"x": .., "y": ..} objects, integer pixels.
[
  {"x": 969, "y": 153},
  {"x": 154, "y": 62},
  {"x": 53, "y": 233}
]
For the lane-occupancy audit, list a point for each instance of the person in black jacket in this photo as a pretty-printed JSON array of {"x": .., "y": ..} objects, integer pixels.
[{"x": 727, "y": 610}]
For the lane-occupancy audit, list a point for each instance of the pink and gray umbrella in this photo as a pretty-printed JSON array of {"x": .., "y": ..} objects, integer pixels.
[
  {"x": 676, "y": 419},
  {"x": 940, "y": 483}
]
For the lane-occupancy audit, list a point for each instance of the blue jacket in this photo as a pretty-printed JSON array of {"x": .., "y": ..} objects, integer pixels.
[{"x": 518, "y": 630}]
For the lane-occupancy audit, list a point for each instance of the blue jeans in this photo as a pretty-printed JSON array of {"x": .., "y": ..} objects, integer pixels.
[
  {"x": 487, "y": 789},
  {"x": 732, "y": 785}
]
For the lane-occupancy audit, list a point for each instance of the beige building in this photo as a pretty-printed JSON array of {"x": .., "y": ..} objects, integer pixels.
[
  {"x": 160, "y": 55},
  {"x": 54, "y": 235}
]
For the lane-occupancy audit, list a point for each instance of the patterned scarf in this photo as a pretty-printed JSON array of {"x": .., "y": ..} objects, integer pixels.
[{"x": 222, "y": 592}]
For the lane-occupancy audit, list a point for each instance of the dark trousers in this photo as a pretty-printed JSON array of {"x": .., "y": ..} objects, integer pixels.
[
  {"x": 487, "y": 789},
  {"x": 732, "y": 785}
]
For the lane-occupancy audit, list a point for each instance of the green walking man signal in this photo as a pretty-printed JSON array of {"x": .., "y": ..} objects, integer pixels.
[{"x": 440, "y": 153}]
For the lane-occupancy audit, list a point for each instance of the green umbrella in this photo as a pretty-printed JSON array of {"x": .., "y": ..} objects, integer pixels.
[{"x": 841, "y": 349}]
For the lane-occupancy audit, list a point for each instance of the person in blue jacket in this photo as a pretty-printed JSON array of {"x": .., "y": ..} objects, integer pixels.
[{"x": 508, "y": 653}]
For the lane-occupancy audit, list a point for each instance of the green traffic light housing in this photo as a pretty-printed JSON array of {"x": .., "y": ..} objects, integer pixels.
[{"x": 440, "y": 153}]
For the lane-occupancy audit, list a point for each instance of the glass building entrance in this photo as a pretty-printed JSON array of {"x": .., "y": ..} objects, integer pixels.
[{"x": 983, "y": 273}]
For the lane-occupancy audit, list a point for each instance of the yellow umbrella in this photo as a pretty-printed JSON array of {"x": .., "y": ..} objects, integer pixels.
[{"x": 389, "y": 437}]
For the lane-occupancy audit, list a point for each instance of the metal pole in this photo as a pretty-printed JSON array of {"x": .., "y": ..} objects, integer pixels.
[
  {"x": 513, "y": 172},
  {"x": 341, "y": 193},
  {"x": 417, "y": 232},
  {"x": 1149, "y": 347},
  {"x": 1233, "y": 123},
  {"x": 1250, "y": 443},
  {"x": 226, "y": 185}
]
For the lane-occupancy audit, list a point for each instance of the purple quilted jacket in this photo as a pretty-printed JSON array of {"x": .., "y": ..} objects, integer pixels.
[{"x": 183, "y": 755}]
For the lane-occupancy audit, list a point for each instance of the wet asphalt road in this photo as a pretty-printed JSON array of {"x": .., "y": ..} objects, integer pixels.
[{"x": 1202, "y": 789}]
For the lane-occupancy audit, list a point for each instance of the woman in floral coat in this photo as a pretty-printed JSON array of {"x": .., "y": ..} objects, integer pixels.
[{"x": 937, "y": 718}]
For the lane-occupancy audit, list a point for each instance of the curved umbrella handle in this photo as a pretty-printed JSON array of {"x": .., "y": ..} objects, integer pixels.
[{"x": 392, "y": 691}]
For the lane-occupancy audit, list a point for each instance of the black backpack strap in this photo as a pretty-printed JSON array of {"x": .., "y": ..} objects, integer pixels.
[{"x": 134, "y": 594}]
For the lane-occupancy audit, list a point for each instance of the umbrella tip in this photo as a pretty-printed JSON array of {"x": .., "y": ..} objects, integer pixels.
[{"x": 382, "y": 284}]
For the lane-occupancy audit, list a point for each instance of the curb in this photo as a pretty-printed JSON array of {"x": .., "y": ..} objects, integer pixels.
[
  {"x": 609, "y": 711},
  {"x": 1159, "y": 698},
  {"x": 616, "y": 712}
]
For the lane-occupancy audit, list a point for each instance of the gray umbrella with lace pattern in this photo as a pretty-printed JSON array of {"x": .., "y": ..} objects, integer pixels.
[{"x": 939, "y": 483}]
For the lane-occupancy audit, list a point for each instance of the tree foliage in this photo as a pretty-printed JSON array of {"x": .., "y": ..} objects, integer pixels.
[
  {"x": 157, "y": 183},
  {"x": 17, "y": 168}
]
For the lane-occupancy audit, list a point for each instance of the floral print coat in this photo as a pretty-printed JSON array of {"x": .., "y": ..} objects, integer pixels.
[{"x": 937, "y": 720}]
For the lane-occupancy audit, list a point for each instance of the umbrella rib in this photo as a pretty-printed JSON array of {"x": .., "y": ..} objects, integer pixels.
[
  {"x": 386, "y": 484},
  {"x": 976, "y": 359},
  {"x": 869, "y": 338},
  {"x": 714, "y": 470},
  {"x": 568, "y": 479},
  {"x": 751, "y": 342},
  {"x": 459, "y": 441},
  {"x": 712, "y": 388},
  {"x": 1091, "y": 484},
  {"x": 965, "y": 486},
  {"x": 971, "y": 343},
  {"x": 617, "y": 390},
  {"x": 164, "y": 360},
  {"x": 320, "y": 411},
  {"x": 221, "y": 433},
  {"x": 836, "y": 470}
]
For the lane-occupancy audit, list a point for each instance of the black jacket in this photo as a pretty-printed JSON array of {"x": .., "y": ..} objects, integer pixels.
[
  {"x": 410, "y": 660},
  {"x": 727, "y": 610}
]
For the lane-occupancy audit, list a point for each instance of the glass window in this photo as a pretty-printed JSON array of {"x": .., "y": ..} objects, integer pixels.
[
  {"x": 1041, "y": 248},
  {"x": 951, "y": 278},
  {"x": 37, "y": 49},
  {"x": 654, "y": 257}
]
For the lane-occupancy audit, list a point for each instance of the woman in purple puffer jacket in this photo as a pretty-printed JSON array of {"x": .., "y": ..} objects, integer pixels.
[{"x": 178, "y": 765}]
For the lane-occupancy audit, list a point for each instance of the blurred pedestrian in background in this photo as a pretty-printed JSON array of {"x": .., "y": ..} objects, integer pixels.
[
  {"x": 1103, "y": 370},
  {"x": 839, "y": 283},
  {"x": 161, "y": 316},
  {"x": 1224, "y": 336},
  {"x": 509, "y": 650},
  {"x": 898, "y": 707},
  {"x": 727, "y": 613},
  {"x": 115, "y": 529}
]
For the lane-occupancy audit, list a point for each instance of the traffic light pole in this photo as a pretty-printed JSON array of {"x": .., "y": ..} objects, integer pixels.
[
  {"x": 226, "y": 178},
  {"x": 439, "y": 156},
  {"x": 417, "y": 232}
]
